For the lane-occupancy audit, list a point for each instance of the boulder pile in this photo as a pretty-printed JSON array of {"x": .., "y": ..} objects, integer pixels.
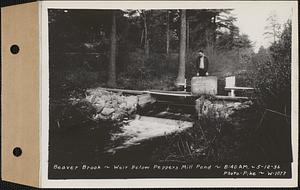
[
  {"x": 219, "y": 109},
  {"x": 111, "y": 106}
]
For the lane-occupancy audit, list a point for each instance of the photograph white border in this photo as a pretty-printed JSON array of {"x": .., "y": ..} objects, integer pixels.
[{"x": 155, "y": 183}]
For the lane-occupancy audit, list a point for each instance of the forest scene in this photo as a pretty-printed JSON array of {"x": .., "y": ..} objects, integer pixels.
[{"x": 116, "y": 90}]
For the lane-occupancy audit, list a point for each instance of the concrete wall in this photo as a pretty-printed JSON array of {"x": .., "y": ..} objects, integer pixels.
[{"x": 204, "y": 85}]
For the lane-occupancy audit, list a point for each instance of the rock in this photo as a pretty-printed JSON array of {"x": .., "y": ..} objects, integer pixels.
[
  {"x": 110, "y": 106},
  {"x": 114, "y": 104},
  {"x": 237, "y": 105},
  {"x": 131, "y": 111},
  {"x": 93, "y": 92},
  {"x": 120, "y": 99},
  {"x": 100, "y": 117},
  {"x": 118, "y": 115},
  {"x": 145, "y": 99},
  {"x": 106, "y": 98},
  {"x": 107, "y": 111},
  {"x": 99, "y": 105},
  {"x": 98, "y": 100},
  {"x": 114, "y": 97},
  {"x": 131, "y": 102},
  {"x": 123, "y": 106},
  {"x": 206, "y": 107},
  {"x": 203, "y": 106}
]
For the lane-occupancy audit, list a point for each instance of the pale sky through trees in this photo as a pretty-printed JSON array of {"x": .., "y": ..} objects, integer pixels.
[{"x": 252, "y": 20}]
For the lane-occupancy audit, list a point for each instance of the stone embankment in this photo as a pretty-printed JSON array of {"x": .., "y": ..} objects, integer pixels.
[
  {"x": 214, "y": 109},
  {"x": 109, "y": 106}
]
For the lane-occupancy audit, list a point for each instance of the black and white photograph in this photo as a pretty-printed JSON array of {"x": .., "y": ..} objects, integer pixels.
[{"x": 170, "y": 93}]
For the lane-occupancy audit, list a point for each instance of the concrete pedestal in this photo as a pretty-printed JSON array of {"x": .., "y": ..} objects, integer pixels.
[{"x": 204, "y": 85}]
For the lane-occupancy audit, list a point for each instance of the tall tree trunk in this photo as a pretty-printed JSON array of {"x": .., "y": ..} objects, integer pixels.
[
  {"x": 168, "y": 34},
  {"x": 113, "y": 47},
  {"x": 187, "y": 36},
  {"x": 181, "y": 71},
  {"x": 147, "y": 48},
  {"x": 215, "y": 31}
]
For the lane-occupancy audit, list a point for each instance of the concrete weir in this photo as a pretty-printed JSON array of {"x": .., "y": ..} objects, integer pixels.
[
  {"x": 204, "y": 85},
  {"x": 117, "y": 106}
]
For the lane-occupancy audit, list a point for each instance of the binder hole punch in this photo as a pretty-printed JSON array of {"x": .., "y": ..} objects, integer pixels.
[
  {"x": 14, "y": 49},
  {"x": 17, "y": 151}
]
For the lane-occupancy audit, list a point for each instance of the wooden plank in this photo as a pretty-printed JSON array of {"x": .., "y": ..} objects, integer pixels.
[
  {"x": 137, "y": 92},
  {"x": 187, "y": 94},
  {"x": 175, "y": 104},
  {"x": 239, "y": 88},
  {"x": 232, "y": 98},
  {"x": 170, "y": 93},
  {"x": 166, "y": 91}
]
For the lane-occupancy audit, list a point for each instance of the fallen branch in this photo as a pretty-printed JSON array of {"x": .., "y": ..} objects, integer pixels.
[{"x": 279, "y": 113}]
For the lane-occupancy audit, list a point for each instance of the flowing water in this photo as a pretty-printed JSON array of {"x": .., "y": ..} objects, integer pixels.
[{"x": 86, "y": 141}]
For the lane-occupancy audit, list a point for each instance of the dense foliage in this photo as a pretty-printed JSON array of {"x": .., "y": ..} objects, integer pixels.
[{"x": 272, "y": 73}]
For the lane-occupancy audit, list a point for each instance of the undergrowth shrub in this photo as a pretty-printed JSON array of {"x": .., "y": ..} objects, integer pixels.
[
  {"x": 156, "y": 72},
  {"x": 271, "y": 74}
]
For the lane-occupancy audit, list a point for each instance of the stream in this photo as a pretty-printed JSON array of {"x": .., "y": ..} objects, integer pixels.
[{"x": 86, "y": 141}]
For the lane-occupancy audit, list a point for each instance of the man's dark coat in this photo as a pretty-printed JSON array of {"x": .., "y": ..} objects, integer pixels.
[{"x": 197, "y": 64}]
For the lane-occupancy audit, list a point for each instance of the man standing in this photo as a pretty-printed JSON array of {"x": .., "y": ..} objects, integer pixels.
[{"x": 201, "y": 64}]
